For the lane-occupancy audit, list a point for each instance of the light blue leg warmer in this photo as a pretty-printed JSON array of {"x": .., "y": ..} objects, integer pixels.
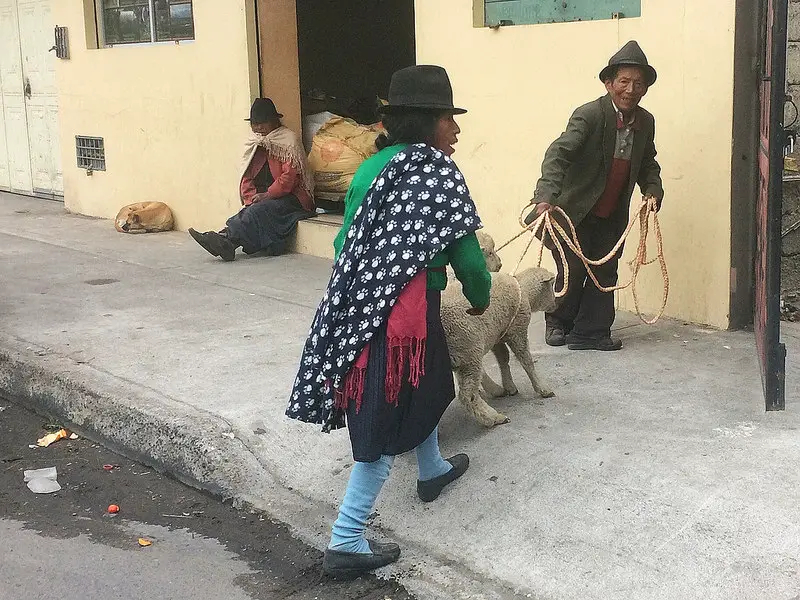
[
  {"x": 429, "y": 458},
  {"x": 366, "y": 481}
]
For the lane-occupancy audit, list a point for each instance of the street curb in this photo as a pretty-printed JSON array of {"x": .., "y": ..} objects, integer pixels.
[{"x": 199, "y": 449}]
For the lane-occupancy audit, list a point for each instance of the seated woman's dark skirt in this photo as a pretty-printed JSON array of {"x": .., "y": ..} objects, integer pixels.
[
  {"x": 382, "y": 428},
  {"x": 267, "y": 226}
]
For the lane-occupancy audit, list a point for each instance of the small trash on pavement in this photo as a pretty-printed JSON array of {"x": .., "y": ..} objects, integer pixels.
[
  {"x": 108, "y": 467},
  {"x": 113, "y": 509},
  {"x": 144, "y": 542},
  {"x": 51, "y": 438},
  {"x": 42, "y": 481}
]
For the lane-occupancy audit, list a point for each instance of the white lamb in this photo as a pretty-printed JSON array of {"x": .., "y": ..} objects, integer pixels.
[{"x": 504, "y": 325}]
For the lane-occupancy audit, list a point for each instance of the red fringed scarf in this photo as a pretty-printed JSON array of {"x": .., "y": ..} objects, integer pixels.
[{"x": 406, "y": 332}]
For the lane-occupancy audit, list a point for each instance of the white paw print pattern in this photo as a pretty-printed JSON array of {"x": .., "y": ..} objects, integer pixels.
[{"x": 421, "y": 194}]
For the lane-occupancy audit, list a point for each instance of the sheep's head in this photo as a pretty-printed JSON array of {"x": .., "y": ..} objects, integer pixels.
[
  {"x": 537, "y": 284},
  {"x": 493, "y": 262}
]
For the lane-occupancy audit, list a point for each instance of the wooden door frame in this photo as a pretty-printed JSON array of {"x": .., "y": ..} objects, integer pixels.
[{"x": 278, "y": 58}]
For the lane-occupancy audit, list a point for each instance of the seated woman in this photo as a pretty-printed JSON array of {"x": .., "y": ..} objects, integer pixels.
[{"x": 276, "y": 190}]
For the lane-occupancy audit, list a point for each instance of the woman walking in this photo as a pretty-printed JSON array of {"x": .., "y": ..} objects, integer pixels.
[{"x": 377, "y": 354}]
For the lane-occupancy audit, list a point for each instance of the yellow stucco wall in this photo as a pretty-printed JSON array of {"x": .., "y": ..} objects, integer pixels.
[
  {"x": 520, "y": 85},
  {"x": 171, "y": 115}
]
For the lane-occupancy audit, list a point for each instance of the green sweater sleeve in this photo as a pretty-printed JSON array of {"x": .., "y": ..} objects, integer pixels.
[
  {"x": 469, "y": 266},
  {"x": 350, "y": 208}
]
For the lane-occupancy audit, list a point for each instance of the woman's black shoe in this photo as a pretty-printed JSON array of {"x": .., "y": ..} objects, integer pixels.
[
  {"x": 428, "y": 491},
  {"x": 349, "y": 565},
  {"x": 215, "y": 244}
]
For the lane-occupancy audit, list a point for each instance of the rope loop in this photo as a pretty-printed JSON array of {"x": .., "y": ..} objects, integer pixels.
[{"x": 546, "y": 226}]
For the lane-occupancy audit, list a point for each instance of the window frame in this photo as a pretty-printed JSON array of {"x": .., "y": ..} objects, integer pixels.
[{"x": 100, "y": 24}]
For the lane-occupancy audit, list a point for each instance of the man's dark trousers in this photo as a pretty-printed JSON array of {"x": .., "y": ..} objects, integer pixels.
[{"x": 585, "y": 312}]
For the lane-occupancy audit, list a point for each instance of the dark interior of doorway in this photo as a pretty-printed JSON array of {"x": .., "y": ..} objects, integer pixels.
[{"x": 348, "y": 50}]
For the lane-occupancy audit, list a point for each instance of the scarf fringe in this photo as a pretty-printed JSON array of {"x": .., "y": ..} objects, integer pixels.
[
  {"x": 402, "y": 353},
  {"x": 407, "y": 352},
  {"x": 283, "y": 145}
]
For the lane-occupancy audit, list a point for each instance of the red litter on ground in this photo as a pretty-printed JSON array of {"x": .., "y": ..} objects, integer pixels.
[
  {"x": 108, "y": 467},
  {"x": 113, "y": 508}
]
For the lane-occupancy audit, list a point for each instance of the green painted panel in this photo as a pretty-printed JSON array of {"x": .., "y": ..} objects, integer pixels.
[{"x": 522, "y": 12}]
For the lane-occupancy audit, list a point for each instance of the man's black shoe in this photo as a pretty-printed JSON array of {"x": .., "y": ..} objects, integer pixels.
[
  {"x": 605, "y": 344},
  {"x": 349, "y": 565},
  {"x": 554, "y": 336},
  {"x": 428, "y": 491}
]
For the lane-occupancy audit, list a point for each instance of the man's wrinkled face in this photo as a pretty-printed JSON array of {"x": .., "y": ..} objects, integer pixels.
[{"x": 627, "y": 88}]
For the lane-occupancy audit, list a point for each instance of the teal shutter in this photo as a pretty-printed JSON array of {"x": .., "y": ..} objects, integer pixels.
[{"x": 523, "y": 12}]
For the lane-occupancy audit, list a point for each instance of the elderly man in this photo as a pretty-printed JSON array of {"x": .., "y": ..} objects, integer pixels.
[
  {"x": 276, "y": 189},
  {"x": 590, "y": 172}
]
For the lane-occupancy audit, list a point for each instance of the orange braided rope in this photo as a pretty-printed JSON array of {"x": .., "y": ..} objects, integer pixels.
[{"x": 546, "y": 225}]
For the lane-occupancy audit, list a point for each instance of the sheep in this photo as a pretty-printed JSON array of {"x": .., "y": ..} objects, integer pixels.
[
  {"x": 493, "y": 262},
  {"x": 503, "y": 326}
]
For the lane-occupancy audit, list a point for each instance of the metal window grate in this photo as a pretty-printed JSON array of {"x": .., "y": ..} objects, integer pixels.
[
  {"x": 91, "y": 153},
  {"x": 62, "y": 43}
]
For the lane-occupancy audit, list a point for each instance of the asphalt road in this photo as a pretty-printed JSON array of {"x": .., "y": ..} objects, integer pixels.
[{"x": 67, "y": 545}]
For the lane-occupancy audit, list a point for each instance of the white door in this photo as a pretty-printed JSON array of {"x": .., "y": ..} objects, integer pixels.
[
  {"x": 12, "y": 86},
  {"x": 29, "y": 98}
]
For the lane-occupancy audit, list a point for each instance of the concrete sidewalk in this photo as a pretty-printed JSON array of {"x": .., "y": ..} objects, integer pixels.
[{"x": 654, "y": 473}]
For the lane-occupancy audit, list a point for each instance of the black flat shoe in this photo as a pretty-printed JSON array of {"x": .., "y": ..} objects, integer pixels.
[
  {"x": 606, "y": 344},
  {"x": 349, "y": 565},
  {"x": 215, "y": 244},
  {"x": 428, "y": 491},
  {"x": 555, "y": 336}
]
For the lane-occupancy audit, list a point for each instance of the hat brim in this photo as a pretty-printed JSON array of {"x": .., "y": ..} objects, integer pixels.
[
  {"x": 650, "y": 71},
  {"x": 275, "y": 116},
  {"x": 388, "y": 109}
]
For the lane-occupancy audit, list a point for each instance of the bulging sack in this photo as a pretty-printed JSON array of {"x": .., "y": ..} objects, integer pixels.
[{"x": 338, "y": 149}]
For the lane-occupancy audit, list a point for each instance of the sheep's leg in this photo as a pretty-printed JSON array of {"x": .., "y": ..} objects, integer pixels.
[
  {"x": 519, "y": 346},
  {"x": 492, "y": 389},
  {"x": 469, "y": 381},
  {"x": 500, "y": 352}
]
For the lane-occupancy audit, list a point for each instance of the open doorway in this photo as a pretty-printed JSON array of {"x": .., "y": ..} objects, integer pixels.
[{"x": 348, "y": 51}]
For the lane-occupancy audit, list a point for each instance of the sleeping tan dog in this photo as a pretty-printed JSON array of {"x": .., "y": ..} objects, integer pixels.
[{"x": 144, "y": 217}]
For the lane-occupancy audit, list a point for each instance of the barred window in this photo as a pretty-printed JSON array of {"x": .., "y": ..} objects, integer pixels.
[{"x": 132, "y": 22}]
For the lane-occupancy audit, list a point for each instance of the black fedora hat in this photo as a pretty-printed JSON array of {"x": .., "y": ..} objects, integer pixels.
[
  {"x": 630, "y": 55},
  {"x": 263, "y": 110},
  {"x": 421, "y": 87}
]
